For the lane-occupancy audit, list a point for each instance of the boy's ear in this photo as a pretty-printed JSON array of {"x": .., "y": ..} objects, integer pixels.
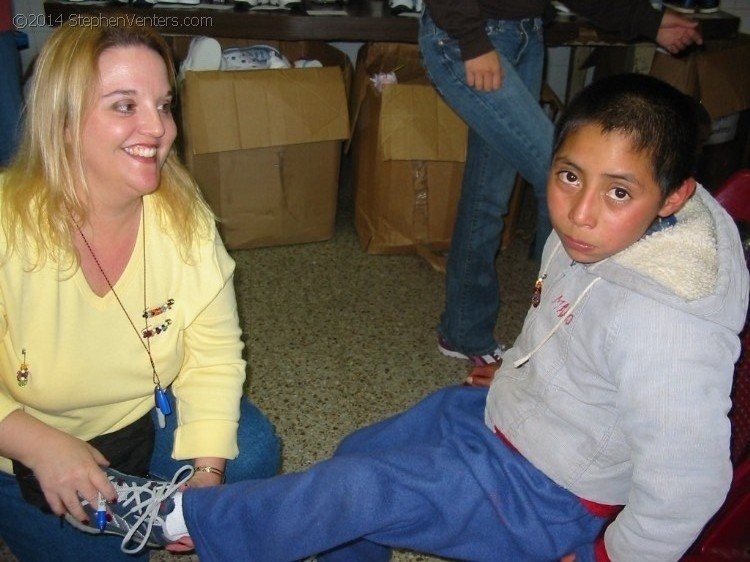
[{"x": 677, "y": 199}]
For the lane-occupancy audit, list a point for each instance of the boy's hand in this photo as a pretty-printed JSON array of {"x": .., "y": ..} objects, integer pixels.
[
  {"x": 484, "y": 73},
  {"x": 678, "y": 32}
]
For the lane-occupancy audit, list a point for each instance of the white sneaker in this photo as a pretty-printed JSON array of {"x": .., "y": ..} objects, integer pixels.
[
  {"x": 204, "y": 53},
  {"x": 307, "y": 63},
  {"x": 289, "y": 4},
  {"x": 399, "y": 6},
  {"x": 256, "y": 57},
  {"x": 278, "y": 61},
  {"x": 140, "y": 512}
]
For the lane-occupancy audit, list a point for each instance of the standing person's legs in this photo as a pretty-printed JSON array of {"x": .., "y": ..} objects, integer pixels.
[
  {"x": 260, "y": 448},
  {"x": 530, "y": 73},
  {"x": 508, "y": 132},
  {"x": 10, "y": 95},
  {"x": 446, "y": 485}
]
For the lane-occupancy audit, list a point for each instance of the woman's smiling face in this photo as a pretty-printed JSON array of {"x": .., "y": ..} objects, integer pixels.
[{"x": 128, "y": 130}]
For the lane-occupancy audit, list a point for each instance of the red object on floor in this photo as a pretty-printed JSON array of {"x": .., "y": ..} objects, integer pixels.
[
  {"x": 727, "y": 535},
  {"x": 734, "y": 195}
]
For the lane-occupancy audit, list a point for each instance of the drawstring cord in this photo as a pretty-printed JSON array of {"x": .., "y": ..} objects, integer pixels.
[{"x": 520, "y": 361}]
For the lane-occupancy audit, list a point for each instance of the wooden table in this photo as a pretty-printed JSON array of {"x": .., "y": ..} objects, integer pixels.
[{"x": 365, "y": 20}]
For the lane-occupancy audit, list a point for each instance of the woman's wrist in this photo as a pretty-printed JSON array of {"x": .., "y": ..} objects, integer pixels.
[{"x": 211, "y": 470}]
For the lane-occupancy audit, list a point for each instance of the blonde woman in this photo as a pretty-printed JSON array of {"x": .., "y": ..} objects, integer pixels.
[{"x": 120, "y": 334}]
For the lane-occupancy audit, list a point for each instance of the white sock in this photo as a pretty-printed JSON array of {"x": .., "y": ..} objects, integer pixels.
[{"x": 174, "y": 524}]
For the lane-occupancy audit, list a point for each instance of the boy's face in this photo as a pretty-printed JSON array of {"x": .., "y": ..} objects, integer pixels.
[{"x": 601, "y": 194}]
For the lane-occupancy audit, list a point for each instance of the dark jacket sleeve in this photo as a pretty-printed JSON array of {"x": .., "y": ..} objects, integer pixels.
[
  {"x": 463, "y": 21},
  {"x": 628, "y": 18}
]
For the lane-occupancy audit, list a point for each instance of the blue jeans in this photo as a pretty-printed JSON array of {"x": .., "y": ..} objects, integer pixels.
[
  {"x": 34, "y": 536},
  {"x": 10, "y": 95},
  {"x": 508, "y": 133},
  {"x": 433, "y": 479}
]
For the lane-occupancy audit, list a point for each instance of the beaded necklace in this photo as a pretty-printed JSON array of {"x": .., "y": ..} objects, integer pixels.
[{"x": 163, "y": 408}]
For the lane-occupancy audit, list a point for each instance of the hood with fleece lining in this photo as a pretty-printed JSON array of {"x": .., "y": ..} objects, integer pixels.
[{"x": 697, "y": 265}]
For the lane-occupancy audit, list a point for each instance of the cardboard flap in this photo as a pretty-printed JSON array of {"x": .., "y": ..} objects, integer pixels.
[
  {"x": 258, "y": 108},
  {"x": 715, "y": 75},
  {"x": 725, "y": 79},
  {"x": 416, "y": 124},
  {"x": 682, "y": 73},
  {"x": 373, "y": 58}
]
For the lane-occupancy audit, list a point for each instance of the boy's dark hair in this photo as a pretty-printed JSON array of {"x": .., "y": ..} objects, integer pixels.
[{"x": 660, "y": 121}]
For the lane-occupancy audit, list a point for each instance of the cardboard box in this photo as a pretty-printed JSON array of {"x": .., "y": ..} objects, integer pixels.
[
  {"x": 265, "y": 145},
  {"x": 716, "y": 74},
  {"x": 408, "y": 151}
]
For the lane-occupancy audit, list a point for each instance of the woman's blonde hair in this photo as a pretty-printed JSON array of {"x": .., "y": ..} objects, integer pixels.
[{"x": 39, "y": 192}]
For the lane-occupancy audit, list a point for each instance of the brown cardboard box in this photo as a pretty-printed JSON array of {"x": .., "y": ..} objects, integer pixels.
[
  {"x": 717, "y": 74},
  {"x": 265, "y": 145},
  {"x": 408, "y": 152}
]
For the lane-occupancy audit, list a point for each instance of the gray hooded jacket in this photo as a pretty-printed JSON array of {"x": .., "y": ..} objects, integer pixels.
[{"x": 618, "y": 386}]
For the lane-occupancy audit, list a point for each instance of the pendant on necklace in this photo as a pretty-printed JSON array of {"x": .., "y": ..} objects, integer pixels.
[
  {"x": 536, "y": 296},
  {"x": 23, "y": 373},
  {"x": 163, "y": 408}
]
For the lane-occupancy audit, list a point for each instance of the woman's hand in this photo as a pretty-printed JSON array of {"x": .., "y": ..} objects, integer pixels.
[
  {"x": 67, "y": 468},
  {"x": 484, "y": 73}
]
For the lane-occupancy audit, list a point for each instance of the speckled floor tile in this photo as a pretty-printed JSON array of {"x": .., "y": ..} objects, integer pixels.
[{"x": 337, "y": 339}]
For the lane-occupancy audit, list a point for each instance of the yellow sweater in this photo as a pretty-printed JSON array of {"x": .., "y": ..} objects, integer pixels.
[{"x": 88, "y": 372}]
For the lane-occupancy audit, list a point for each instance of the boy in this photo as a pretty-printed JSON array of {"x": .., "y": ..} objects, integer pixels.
[{"x": 615, "y": 393}]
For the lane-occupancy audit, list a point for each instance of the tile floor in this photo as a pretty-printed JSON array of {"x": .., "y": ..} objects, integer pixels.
[{"x": 337, "y": 338}]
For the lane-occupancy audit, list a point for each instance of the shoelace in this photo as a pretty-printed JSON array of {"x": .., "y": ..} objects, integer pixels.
[{"x": 149, "y": 507}]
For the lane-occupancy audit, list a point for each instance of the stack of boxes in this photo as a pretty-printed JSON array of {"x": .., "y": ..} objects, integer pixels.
[
  {"x": 265, "y": 148},
  {"x": 265, "y": 145}
]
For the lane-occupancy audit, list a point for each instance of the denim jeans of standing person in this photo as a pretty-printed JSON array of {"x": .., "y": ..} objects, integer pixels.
[
  {"x": 34, "y": 536},
  {"x": 508, "y": 133},
  {"x": 10, "y": 95},
  {"x": 434, "y": 479}
]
